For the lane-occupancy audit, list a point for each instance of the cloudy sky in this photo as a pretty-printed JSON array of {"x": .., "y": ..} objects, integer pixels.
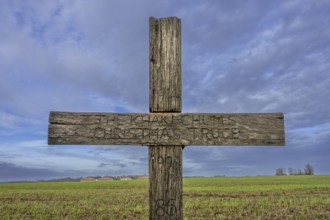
[{"x": 238, "y": 56}]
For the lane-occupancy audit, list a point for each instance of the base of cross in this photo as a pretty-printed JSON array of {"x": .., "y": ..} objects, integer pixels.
[
  {"x": 165, "y": 179},
  {"x": 165, "y": 130}
]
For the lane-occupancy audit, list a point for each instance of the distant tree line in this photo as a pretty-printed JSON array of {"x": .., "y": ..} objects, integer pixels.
[{"x": 308, "y": 170}]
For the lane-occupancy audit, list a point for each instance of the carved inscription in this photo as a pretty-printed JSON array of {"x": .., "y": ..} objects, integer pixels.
[
  {"x": 165, "y": 170},
  {"x": 166, "y": 208},
  {"x": 166, "y": 128}
]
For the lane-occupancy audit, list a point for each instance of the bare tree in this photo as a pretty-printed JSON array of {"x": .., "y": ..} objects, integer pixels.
[
  {"x": 280, "y": 172},
  {"x": 291, "y": 171},
  {"x": 309, "y": 170},
  {"x": 294, "y": 171}
]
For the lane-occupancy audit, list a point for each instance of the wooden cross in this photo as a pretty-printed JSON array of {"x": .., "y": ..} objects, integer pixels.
[{"x": 165, "y": 130}]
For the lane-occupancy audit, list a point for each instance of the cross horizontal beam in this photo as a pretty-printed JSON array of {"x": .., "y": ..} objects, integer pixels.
[{"x": 166, "y": 129}]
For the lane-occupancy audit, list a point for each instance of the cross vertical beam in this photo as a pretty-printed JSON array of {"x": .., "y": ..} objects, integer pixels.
[{"x": 165, "y": 162}]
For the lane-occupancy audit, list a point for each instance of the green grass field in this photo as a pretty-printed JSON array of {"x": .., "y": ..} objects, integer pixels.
[{"x": 278, "y": 197}]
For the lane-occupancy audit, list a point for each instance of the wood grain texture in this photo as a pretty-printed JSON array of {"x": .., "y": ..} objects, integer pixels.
[
  {"x": 166, "y": 129},
  {"x": 165, "y": 173},
  {"x": 165, "y": 191},
  {"x": 165, "y": 65}
]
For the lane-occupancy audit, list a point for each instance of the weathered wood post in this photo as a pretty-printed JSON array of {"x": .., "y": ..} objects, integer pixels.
[{"x": 165, "y": 162}]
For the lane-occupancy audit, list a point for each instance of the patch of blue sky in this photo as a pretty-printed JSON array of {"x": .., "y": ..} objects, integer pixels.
[
  {"x": 26, "y": 17},
  {"x": 41, "y": 29},
  {"x": 72, "y": 149},
  {"x": 120, "y": 109},
  {"x": 313, "y": 130},
  {"x": 57, "y": 10},
  {"x": 20, "y": 18},
  {"x": 23, "y": 134}
]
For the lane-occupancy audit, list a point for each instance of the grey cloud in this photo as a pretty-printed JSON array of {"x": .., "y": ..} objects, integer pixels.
[
  {"x": 11, "y": 172},
  {"x": 112, "y": 164},
  {"x": 102, "y": 165},
  {"x": 276, "y": 69}
]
